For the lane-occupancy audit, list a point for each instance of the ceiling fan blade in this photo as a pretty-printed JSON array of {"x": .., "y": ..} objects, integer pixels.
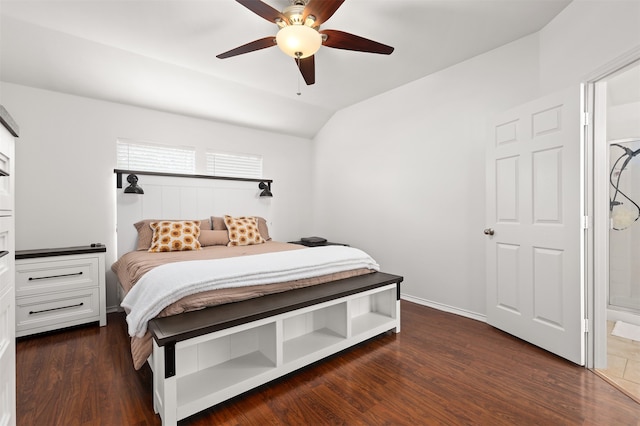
[
  {"x": 263, "y": 10},
  {"x": 341, "y": 40},
  {"x": 321, "y": 9},
  {"x": 249, "y": 47},
  {"x": 307, "y": 69}
]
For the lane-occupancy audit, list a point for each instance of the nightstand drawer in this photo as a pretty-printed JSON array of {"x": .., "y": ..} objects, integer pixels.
[
  {"x": 36, "y": 314},
  {"x": 41, "y": 276}
]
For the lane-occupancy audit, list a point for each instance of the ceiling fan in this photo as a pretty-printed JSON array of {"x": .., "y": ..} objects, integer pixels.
[{"x": 299, "y": 34}]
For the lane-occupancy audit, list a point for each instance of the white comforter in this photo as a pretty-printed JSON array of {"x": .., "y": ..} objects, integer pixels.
[{"x": 168, "y": 283}]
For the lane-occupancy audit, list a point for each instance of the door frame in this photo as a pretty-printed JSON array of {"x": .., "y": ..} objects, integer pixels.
[{"x": 596, "y": 195}]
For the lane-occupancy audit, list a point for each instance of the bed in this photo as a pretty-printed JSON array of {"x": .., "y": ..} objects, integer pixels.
[{"x": 216, "y": 321}]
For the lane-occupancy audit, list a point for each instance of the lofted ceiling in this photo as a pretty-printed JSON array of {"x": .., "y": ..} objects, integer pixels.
[{"x": 162, "y": 54}]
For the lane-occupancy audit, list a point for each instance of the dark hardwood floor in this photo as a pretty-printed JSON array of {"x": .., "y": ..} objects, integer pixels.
[{"x": 441, "y": 369}]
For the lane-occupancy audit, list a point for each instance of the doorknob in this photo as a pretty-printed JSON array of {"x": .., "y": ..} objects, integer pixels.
[{"x": 488, "y": 231}]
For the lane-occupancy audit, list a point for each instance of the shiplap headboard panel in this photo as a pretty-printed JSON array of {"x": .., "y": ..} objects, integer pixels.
[{"x": 184, "y": 198}]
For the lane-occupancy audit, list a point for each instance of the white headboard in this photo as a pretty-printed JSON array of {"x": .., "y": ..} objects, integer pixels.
[{"x": 170, "y": 197}]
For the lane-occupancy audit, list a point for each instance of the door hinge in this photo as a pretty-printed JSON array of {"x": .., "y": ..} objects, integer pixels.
[
  {"x": 585, "y": 222},
  {"x": 585, "y": 118},
  {"x": 585, "y": 325}
]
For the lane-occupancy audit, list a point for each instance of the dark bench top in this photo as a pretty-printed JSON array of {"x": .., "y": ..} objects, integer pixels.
[{"x": 176, "y": 328}]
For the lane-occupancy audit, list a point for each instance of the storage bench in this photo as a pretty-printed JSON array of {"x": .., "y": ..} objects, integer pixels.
[{"x": 204, "y": 357}]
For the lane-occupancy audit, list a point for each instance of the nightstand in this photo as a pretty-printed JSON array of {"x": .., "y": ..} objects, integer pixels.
[{"x": 61, "y": 287}]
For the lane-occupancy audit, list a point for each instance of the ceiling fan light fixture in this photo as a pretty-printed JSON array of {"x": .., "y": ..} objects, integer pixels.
[
  {"x": 299, "y": 41},
  {"x": 310, "y": 21},
  {"x": 299, "y": 36}
]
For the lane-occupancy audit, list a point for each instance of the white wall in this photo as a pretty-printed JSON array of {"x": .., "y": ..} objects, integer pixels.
[
  {"x": 402, "y": 175},
  {"x": 584, "y": 37},
  {"x": 623, "y": 121},
  {"x": 65, "y": 185}
]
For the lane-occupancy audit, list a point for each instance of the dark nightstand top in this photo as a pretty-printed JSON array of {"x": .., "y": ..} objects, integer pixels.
[
  {"x": 62, "y": 251},
  {"x": 326, "y": 243}
]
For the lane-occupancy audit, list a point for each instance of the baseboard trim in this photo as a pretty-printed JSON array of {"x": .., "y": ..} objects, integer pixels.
[
  {"x": 112, "y": 309},
  {"x": 445, "y": 308}
]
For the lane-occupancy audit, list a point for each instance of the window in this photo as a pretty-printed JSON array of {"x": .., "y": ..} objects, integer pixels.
[
  {"x": 234, "y": 165},
  {"x": 155, "y": 158}
]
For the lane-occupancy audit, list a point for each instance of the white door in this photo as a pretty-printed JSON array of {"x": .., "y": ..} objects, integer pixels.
[{"x": 534, "y": 224}]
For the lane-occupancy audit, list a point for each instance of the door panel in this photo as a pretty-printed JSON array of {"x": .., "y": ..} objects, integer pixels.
[
  {"x": 547, "y": 186},
  {"x": 534, "y": 287},
  {"x": 547, "y": 284},
  {"x": 507, "y": 189},
  {"x": 508, "y": 296}
]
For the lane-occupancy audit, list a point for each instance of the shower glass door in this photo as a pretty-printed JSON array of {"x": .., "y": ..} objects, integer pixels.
[{"x": 624, "y": 234}]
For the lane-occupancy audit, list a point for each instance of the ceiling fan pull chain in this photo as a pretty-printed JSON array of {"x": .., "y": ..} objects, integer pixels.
[{"x": 298, "y": 63}]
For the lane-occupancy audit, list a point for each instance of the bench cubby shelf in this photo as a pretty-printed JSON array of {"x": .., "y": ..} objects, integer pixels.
[{"x": 201, "y": 360}]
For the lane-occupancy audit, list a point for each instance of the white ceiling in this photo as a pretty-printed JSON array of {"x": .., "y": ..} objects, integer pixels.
[{"x": 161, "y": 54}]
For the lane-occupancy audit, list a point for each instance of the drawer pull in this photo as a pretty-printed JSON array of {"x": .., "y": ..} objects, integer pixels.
[
  {"x": 3, "y": 253},
  {"x": 3, "y": 172},
  {"x": 55, "y": 309},
  {"x": 55, "y": 276}
]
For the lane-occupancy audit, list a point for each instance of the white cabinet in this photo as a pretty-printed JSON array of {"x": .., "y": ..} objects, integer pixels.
[
  {"x": 211, "y": 368},
  {"x": 58, "y": 288},
  {"x": 8, "y": 131}
]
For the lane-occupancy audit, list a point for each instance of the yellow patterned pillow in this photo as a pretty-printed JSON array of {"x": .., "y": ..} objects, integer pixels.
[
  {"x": 175, "y": 235},
  {"x": 243, "y": 231}
]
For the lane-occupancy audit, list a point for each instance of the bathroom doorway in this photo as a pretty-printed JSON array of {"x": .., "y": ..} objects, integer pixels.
[{"x": 616, "y": 100}]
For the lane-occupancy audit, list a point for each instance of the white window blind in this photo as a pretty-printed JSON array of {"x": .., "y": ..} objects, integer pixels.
[
  {"x": 155, "y": 158},
  {"x": 234, "y": 165}
]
